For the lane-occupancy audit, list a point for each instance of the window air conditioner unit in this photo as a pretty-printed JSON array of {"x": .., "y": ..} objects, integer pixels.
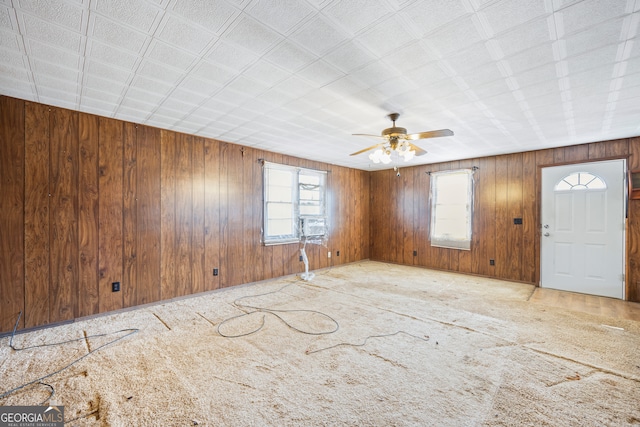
[{"x": 313, "y": 226}]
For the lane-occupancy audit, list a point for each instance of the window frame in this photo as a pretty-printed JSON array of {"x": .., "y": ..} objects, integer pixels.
[
  {"x": 296, "y": 173},
  {"x": 442, "y": 241}
]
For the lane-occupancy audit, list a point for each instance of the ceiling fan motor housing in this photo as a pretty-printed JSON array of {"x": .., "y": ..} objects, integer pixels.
[{"x": 394, "y": 131}]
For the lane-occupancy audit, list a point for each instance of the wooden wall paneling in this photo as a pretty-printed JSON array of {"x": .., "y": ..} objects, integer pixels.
[
  {"x": 361, "y": 217},
  {"x": 545, "y": 157},
  {"x": 576, "y": 153},
  {"x": 633, "y": 231},
  {"x": 129, "y": 283},
  {"x": 12, "y": 152},
  {"x": 347, "y": 205},
  {"x": 397, "y": 223},
  {"x": 386, "y": 231},
  {"x": 149, "y": 215},
  {"x": 530, "y": 218},
  {"x": 335, "y": 190},
  {"x": 597, "y": 150},
  {"x": 353, "y": 245},
  {"x": 198, "y": 270},
  {"x": 514, "y": 210},
  {"x": 419, "y": 225},
  {"x": 366, "y": 215},
  {"x": 617, "y": 148},
  {"x": 110, "y": 252},
  {"x": 225, "y": 200},
  {"x": 212, "y": 209},
  {"x": 88, "y": 215},
  {"x": 184, "y": 214},
  {"x": 168, "y": 214},
  {"x": 408, "y": 217},
  {"x": 502, "y": 260},
  {"x": 381, "y": 232},
  {"x": 558, "y": 155},
  {"x": 36, "y": 212},
  {"x": 486, "y": 216},
  {"x": 335, "y": 212},
  {"x": 252, "y": 203},
  {"x": 235, "y": 261},
  {"x": 374, "y": 207},
  {"x": 350, "y": 204},
  {"x": 63, "y": 214}
]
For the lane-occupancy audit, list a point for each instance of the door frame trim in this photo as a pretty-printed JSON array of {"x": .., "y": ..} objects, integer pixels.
[{"x": 537, "y": 243}]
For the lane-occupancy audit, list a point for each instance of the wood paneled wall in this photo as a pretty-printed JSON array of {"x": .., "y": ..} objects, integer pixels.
[
  {"x": 506, "y": 187},
  {"x": 87, "y": 201}
]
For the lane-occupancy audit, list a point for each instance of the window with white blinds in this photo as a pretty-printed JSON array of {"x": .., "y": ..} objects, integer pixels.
[{"x": 451, "y": 208}]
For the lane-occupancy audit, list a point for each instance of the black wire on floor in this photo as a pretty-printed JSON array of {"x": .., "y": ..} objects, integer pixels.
[
  {"x": 273, "y": 312},
  {"x": 40, "y": 380},
  {"x": 422, "y": 338}
]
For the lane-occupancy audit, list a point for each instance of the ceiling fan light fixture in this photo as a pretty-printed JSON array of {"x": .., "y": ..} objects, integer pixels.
[
  {"x": 375, "y": 157},
  {"x": 408, "y": 155},
  {"x": 397, "y": 140},
  {"x": 385, "y": 158}
]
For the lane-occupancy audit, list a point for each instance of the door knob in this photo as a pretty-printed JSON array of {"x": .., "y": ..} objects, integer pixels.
[
  {"x": 546, "y": 234},
  {"x": 546, "y": 226}
]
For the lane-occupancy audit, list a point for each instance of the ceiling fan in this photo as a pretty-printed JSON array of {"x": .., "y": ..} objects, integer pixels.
[{"x": 397, "y": 139}]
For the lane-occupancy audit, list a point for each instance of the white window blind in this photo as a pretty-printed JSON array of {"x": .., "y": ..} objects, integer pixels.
[{"x": 451, "y": 208}]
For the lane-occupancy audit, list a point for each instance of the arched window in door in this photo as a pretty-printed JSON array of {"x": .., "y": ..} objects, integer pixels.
[{"x": 580, "y": 181}]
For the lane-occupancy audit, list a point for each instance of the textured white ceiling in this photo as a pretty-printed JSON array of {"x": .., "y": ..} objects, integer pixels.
[{"x": 301, "y": 76}]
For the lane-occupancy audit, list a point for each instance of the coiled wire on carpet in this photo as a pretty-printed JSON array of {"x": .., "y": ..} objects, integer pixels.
[
  {"x": 275, "y": 313},
  {"x": 423, "y": 338},
  {"x": 40, "y": 380}
]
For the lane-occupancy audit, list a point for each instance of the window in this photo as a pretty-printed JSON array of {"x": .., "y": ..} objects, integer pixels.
[
  {"x": 294, "y": 202},
  {"x": 580, "y": 181},
  {"x": 451, "y": 205}
]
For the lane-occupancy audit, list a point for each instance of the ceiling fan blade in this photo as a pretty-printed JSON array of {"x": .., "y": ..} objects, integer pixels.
[
  {"x": 419, "y": 151},
  {"x": 367, "y": 149},
  {"x": 430, "y": 134},
  {"x": 366, "y": 134}
]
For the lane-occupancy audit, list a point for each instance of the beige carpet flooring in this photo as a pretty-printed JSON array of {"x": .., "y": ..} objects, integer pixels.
[{"x": 365, "y": 344}]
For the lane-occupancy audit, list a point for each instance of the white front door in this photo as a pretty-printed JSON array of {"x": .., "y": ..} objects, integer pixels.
[{"x": 582, "y": 242}]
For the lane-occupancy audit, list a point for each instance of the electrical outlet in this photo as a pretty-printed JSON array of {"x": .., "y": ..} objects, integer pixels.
[
  {"x": 300, "y": 259},
  {"x": 415, "y": 253},
  {"x": 329, "y": 254},
  {"x": 115, "y": 287},
  {"x": 215, "y": 271},
  {"x": 492, "y": 262},
  {"x": 337, "y": 253}
]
